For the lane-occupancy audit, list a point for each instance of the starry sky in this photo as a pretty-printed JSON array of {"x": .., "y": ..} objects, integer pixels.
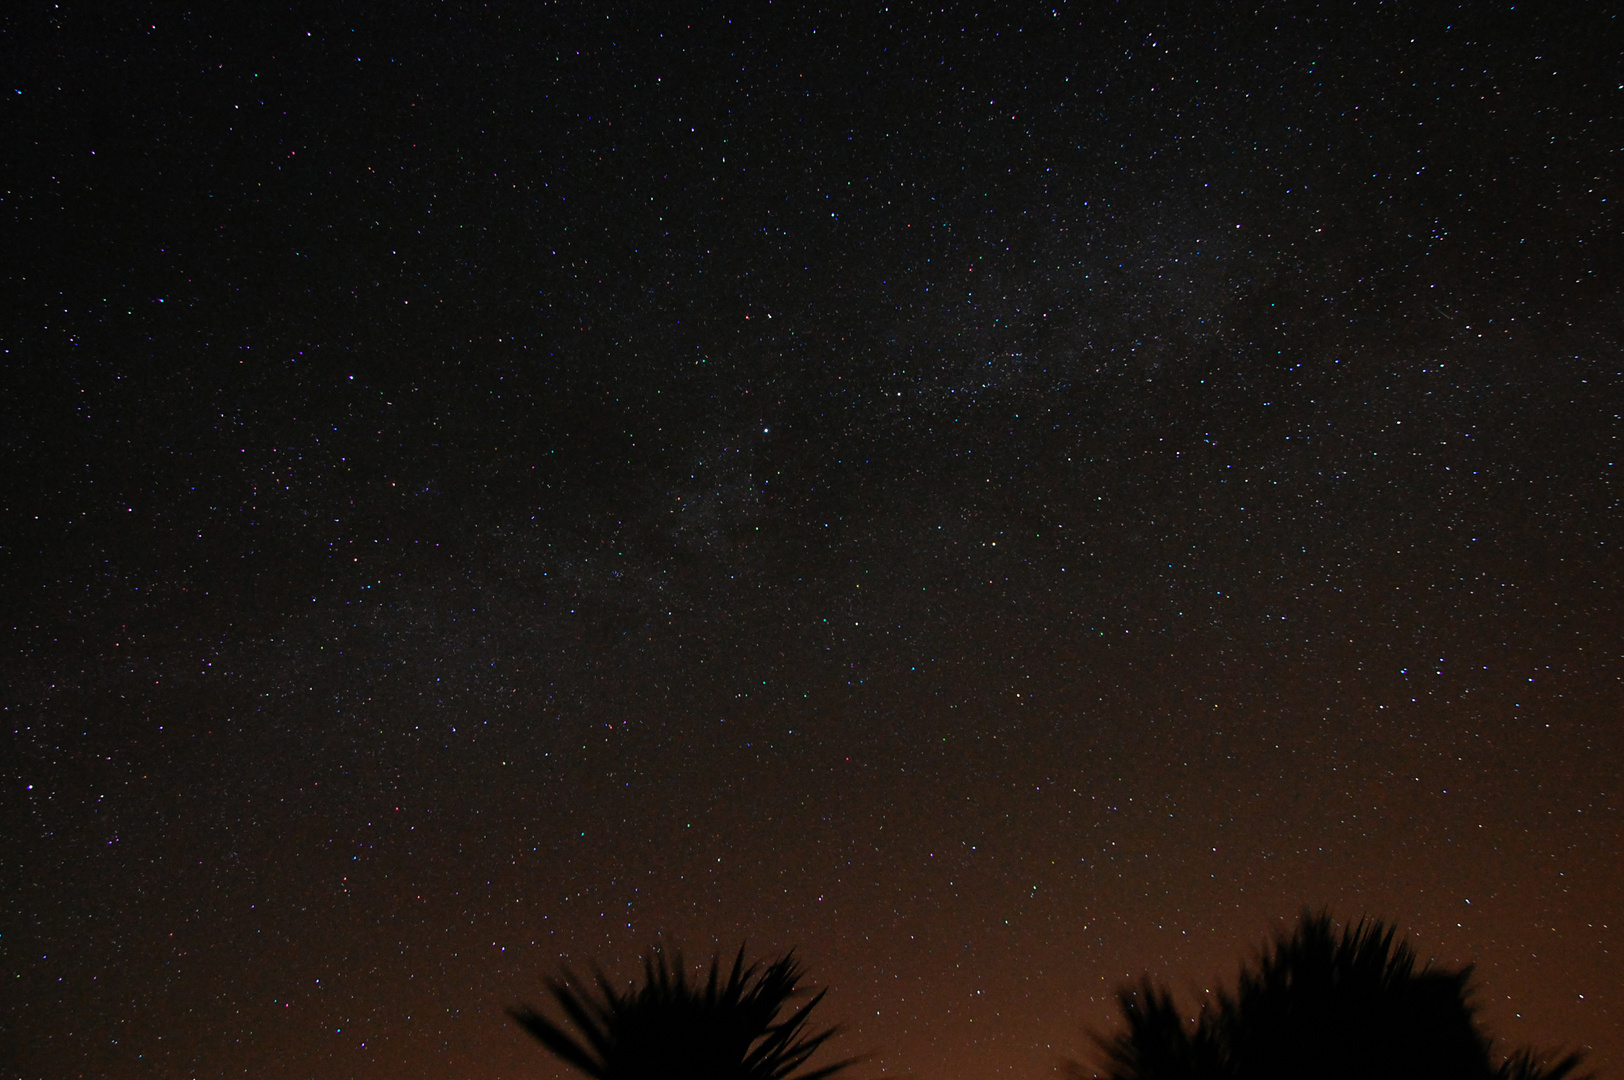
[{"x": 1000, "y": 503}]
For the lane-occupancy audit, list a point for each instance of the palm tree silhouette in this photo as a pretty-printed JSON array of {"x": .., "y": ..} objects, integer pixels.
[
  {"x": 1157, "y": 1043},
  {"x": 671, "y": 1029},
  {"x": 1320, "y": 1004}
]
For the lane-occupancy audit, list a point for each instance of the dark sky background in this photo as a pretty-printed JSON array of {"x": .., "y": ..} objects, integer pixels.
[{"x": 1002, "y": 503}]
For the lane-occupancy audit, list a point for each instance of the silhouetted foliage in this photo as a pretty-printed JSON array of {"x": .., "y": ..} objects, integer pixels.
[
  {"x": 1319, "y": 1004},
  {"x": 671, "y": 1029},
  {"x": 1158, "y": 1043}
]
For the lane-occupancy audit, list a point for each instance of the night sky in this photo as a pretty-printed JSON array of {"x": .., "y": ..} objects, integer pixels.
[{"x": 999, "y": 502}]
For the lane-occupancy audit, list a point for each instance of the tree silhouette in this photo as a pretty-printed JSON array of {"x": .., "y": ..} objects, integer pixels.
[
  {"x": 1319, "y": 1004},
  {"x": 1157, "y": 1044},
  {"x": 671, "y": 1029}
]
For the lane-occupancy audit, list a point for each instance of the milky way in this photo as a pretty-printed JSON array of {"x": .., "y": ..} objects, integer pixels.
[{"x": 1001, "y": 507}]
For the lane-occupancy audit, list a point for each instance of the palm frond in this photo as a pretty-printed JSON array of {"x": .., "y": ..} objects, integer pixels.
[
  {"x": 1317, "y": 1002},
  {"x": 670, "y": 1028},
  {"x": 1159, "y": 1044},
  {"x": 1527, "y": 1065}
]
